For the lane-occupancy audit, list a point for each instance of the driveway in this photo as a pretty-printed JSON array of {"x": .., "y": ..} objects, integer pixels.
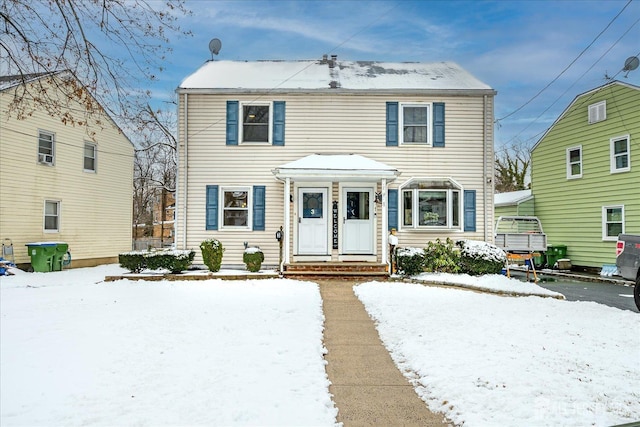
[{"x": 607, "y": 293}]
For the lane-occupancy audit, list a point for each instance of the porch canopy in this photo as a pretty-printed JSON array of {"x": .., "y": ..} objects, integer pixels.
[
  {"x": 331, "y": 168},
  {"x": 338, "y": 167}
]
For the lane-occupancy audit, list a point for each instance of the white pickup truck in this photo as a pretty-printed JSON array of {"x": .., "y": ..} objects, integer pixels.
[{"x": 628, "y": 261}]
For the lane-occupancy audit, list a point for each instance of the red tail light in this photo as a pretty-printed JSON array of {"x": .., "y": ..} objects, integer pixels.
[{"x": 619, "y": 247}]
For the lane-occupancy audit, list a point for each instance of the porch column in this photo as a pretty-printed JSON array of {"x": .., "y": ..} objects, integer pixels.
[
  {"x": 385, "y": 221},
  {"x": 287, "y": 219}
]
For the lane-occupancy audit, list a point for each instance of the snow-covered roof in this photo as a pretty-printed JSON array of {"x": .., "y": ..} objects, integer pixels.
[
  {"x": 511, "y": 198},
  {"x": 344, "y": 165},
  {"x": 7, "y": 82},
  {"x": 319, "y": 75}
]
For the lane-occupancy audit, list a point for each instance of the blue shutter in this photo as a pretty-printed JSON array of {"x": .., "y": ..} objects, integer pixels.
[
  {"x": 392, "y": 124},
  {"x": 232, "y": 122},
  {"x": 392, "y": 203},
  {"x": 469, "y": 210},
  {"x": 438, "y": 124},
  {"x": 258, "y": 207},
  {"x": 212, "y": 207},
  {"x": 278, "y": 122}
]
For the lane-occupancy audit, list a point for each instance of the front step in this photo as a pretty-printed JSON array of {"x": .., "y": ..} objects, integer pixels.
[{"x": 336, "y": 270}]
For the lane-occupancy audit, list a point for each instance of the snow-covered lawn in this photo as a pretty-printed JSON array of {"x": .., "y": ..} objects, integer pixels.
[
  {"x": 489, "y": 360},
  {"x": 77, "y": 351}
]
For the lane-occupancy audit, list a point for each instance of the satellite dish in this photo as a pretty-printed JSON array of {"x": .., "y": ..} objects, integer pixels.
[
  {"x": 631, "y": 63},
  {"x": 214, "y": 47}
]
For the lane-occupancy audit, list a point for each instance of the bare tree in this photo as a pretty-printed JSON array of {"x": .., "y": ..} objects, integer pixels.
[
  {"x": 155, "y": 168},
  {"x": 112, "y": 49},
  {"x": 512, "y": 168}
]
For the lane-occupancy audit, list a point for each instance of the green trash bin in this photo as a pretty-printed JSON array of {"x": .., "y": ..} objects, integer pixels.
[
  {"x": 554, "y": 253},
  {"x": 41, "y": 254},
  {"x": 58, "y": 256}
]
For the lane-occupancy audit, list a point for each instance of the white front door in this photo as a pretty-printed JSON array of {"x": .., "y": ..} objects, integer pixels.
[
  {"x": 357, "y": 229},
  {"x": 312, "y": 221}
]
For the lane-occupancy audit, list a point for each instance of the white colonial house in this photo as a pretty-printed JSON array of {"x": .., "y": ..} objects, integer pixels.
[
  {"x": 335, "y": 154},
  {"x": 70, "y": 183}
]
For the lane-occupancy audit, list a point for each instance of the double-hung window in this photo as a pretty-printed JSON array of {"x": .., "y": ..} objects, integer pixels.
[
  {"x": 46, "y": 148},
  {"x": 235, "y": 207},
  {"x": 90, "y": 152},
  {"x": 255, "y": 123},
  {"x": 431, "y": 203},
  {"x": 574, "y": 162},
  {"x": 612, "y": 222},
  {"x": 51, "y": 215},
  {"x": 620, "y": 154},
  {"x": 597, "y": 112},
  {"x": 415, "y": 123}
]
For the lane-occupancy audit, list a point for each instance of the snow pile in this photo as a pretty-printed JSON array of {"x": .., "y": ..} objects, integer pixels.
[
  {"x": 485, "y": 360},
  {"x": 490, "y": 282},
  {"x": 78, "y": 351}
]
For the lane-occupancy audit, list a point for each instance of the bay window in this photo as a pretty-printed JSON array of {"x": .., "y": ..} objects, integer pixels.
[{"x": 431, "y": 203}]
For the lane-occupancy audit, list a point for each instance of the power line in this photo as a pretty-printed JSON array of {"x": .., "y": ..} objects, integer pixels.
[{"x": 567, "y": 67}]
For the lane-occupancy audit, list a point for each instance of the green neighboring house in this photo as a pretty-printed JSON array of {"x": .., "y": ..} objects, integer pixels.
[
  {"x": 513, "y": 203},
  {"x": 586, "y": 174}
]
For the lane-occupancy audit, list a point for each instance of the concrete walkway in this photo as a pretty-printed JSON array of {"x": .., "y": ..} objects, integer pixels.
[{"x": 367, "y": 387}]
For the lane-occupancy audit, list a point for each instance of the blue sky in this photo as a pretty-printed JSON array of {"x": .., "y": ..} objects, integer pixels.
[{"x": 517, "y": 47}]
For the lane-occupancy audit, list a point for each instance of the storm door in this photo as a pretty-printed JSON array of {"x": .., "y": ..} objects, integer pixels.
[
  {"x": 357, "y": 228},
  {"x": 312, "y": 221}
]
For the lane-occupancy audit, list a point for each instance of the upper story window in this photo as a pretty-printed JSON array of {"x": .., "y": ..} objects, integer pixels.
[
  {"x": 235, "y": 207},
  {"x": 620, "y": 154},
  {"x": 51, "y": 215},
  {"x": 415, "y": 123},
  {"x": 612, "y": 222},
  {"x": 597, "y": 112},
  {"x": 431, "y": 203},
  {"x": 46, "y": 148},
  {"x": 90, "y": 152},
  {"x": 574, "y": 162},
  {"x": 255, "y": 123}
]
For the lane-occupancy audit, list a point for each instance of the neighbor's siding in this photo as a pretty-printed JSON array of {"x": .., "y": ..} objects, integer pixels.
[
  {"x": 332, "y": 124},
  {"x": 571, "y": 209},
  {"x": 96, "y": 208}
]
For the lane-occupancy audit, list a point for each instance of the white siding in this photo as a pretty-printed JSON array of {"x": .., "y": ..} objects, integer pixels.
[
  {"x": 336, "y": 124},
  {"x": 96, "y": 208}
]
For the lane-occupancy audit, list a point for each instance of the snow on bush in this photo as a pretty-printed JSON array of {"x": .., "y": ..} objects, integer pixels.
[{"x": 477, "y": 258}]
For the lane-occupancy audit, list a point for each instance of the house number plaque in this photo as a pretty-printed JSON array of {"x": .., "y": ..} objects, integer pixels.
[{"x": 335, "y": 224}]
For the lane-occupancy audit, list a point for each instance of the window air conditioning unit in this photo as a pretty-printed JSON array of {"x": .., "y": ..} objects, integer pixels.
[{"x": 45, "y": 158}]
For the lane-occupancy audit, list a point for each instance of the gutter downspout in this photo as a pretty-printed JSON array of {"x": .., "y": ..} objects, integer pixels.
[
  {"x": 488, "y": 174},
  {"x": 186, "y": 156}
]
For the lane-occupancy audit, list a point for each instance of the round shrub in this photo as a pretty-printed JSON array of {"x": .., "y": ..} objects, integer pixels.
[
  {"x": 253, "y": 258},
  {"x": 477, "y": 258},
  {"x": 212, "y": 251}
]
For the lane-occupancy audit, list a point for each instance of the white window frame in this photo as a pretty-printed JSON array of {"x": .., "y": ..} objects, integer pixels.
[
  {"x": 95, "y": 157},
  {"x": 415, "y": 208},
  {"x": 47, "y": 158},
  {"x": 223, "y": 208},
  {"x": 613, "y": 157},
  {"x": 241, "y": 122},
  {"x": 44, "y": 216},
  {"x": 605, "y": 236},
  {"x": 570, "y": 174},
  {"x": 597, "y": 112},
  {"x": 429, "y": 107}
]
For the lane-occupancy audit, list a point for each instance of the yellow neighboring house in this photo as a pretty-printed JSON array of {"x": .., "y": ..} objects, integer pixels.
[{"x": 63, "y": 183}]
